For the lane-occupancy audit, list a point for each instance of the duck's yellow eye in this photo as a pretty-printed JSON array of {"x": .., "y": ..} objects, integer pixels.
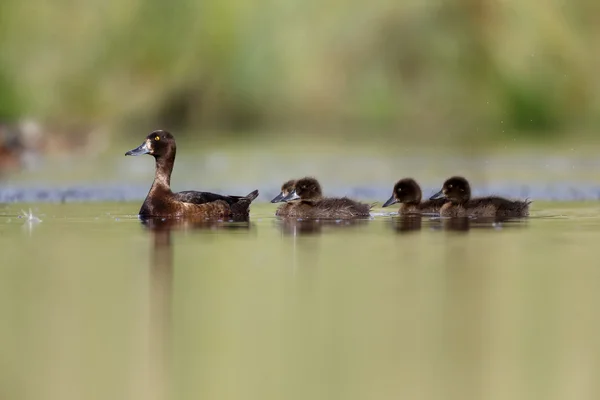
[{"x": 157, "y": 138}]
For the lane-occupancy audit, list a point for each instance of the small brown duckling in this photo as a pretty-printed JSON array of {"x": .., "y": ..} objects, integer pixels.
[
  {"x": 307, "y": 201},
  {"x": 458, "y": 193},
  {"x": 408, "y": 192},
  {"x": 162, "y": 202}
]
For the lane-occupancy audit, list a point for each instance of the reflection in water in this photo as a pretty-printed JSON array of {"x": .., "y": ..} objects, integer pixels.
[
  {"x": 456, "y": 224},
  {"x": 407, "y": 223},
  {"x": 353, "y": 313},
  {"x": 161, "y": 293},
  {"x": 170, "y": 224},
  {"x": 297, "y": 227},
  {"x": 464, "y": 224}
]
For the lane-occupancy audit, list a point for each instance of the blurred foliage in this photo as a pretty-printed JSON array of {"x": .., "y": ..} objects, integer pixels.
[{"x": 426, "y": 66}]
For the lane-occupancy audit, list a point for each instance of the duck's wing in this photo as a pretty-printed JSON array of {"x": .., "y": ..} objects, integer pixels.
[{"x": 194, "y": 197}]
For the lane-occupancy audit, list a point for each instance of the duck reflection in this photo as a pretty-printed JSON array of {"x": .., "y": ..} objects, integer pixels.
[
  {"x": 178, "y": 224},
  {"x": 407, "y": 223},
  {"x": 161, "y": 291},
  {"x": 464, "y": 224},
  {"x": 297, "y": 227}
]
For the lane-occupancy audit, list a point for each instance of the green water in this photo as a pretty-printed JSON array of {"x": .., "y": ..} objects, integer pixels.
[{"x": 95, "y": 305}]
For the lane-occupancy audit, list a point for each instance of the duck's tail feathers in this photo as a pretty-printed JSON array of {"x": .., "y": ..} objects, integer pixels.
[
  {"x": 252, "y": 195},
  {"x": 242, "y": 206}
]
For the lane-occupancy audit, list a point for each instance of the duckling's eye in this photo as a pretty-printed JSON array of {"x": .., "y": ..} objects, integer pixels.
[
  {"x": 157, "y": 138},
  {"x": 449, "y": 186}
]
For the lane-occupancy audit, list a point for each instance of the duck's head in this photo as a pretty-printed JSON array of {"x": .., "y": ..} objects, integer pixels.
[
  {"x": 455, "y": 189},
  {"x": 405, "y": 191},
  {"x": 158, "y": 144},
  {"x": 305, "y": 189},
  {"x": 286, "y": 189}
]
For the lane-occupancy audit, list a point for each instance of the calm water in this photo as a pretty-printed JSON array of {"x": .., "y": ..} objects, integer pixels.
[{"x": 96, "y": 305}]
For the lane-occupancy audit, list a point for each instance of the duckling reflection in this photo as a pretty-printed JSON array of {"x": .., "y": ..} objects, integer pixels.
[
  {"x": 407, "y": 223},
  {"x": 298, "y": 227},
  {"x": 463, "y": 224}
]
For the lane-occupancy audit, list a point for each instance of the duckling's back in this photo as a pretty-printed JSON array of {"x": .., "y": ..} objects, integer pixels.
[
  {"x": 326, "y": 208},
  {"x": 491, "y": 206}
]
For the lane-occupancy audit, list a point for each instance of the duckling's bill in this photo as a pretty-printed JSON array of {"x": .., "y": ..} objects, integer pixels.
[
  {"x": 278, "y": 198},
  {"x": 291, "y": 196},
  {"x": 144, "y": 148},
  {"x": 438, "y": 195}
]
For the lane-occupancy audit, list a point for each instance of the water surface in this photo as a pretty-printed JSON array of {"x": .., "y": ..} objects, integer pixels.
[{"x": 97, "y": 305}]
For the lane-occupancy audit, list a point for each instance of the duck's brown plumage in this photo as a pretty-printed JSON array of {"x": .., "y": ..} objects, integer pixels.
[
  {"x": 408, "y": 192},
  {"x": 460, "y": 204},
  {"x": 307, "y": 201},
  {"x": 162, "y": 202}
]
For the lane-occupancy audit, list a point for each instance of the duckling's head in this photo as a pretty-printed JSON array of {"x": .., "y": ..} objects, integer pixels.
[
  {"x": 158, "y": 144},
  {"x": 286, "y": 189},
  {"x": 405, "y": 191},
  {"x": 455, "y": 189},
  {"x": 305, "y": 189}
]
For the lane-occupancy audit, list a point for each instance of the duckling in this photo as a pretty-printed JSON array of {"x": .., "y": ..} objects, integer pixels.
[
  {"x": 307, "y": 201},
  {"x": 408, "y": 192},
  {"x": 458, "y": 193},
  {"x": 162, "y": 202}
]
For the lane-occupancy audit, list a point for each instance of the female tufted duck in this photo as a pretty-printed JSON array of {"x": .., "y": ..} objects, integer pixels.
[
  {"x": 162, "y": 202},
  {"x": 458, "y": 193}
]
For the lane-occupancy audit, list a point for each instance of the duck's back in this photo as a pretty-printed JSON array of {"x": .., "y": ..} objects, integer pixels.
[
  {"x": 192, "y": 196},
  {"x": 327, "y": 208},
  {"x": 491, "y": 206},
  {"x": 504, "y": 207},
  {"x": 164, "y": 204}
]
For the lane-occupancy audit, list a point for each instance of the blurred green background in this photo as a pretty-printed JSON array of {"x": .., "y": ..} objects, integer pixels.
[{"x": 439, "y": 70}]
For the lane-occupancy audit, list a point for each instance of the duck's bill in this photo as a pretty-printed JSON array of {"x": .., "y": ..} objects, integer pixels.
[
  {"x": 391, "y": 200},
  {"x": 438, "y": 195},
  {"x": 141, "y": 149},
  {"x": 278, "y": 198},
  {"x": 291, "y": 196}
]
